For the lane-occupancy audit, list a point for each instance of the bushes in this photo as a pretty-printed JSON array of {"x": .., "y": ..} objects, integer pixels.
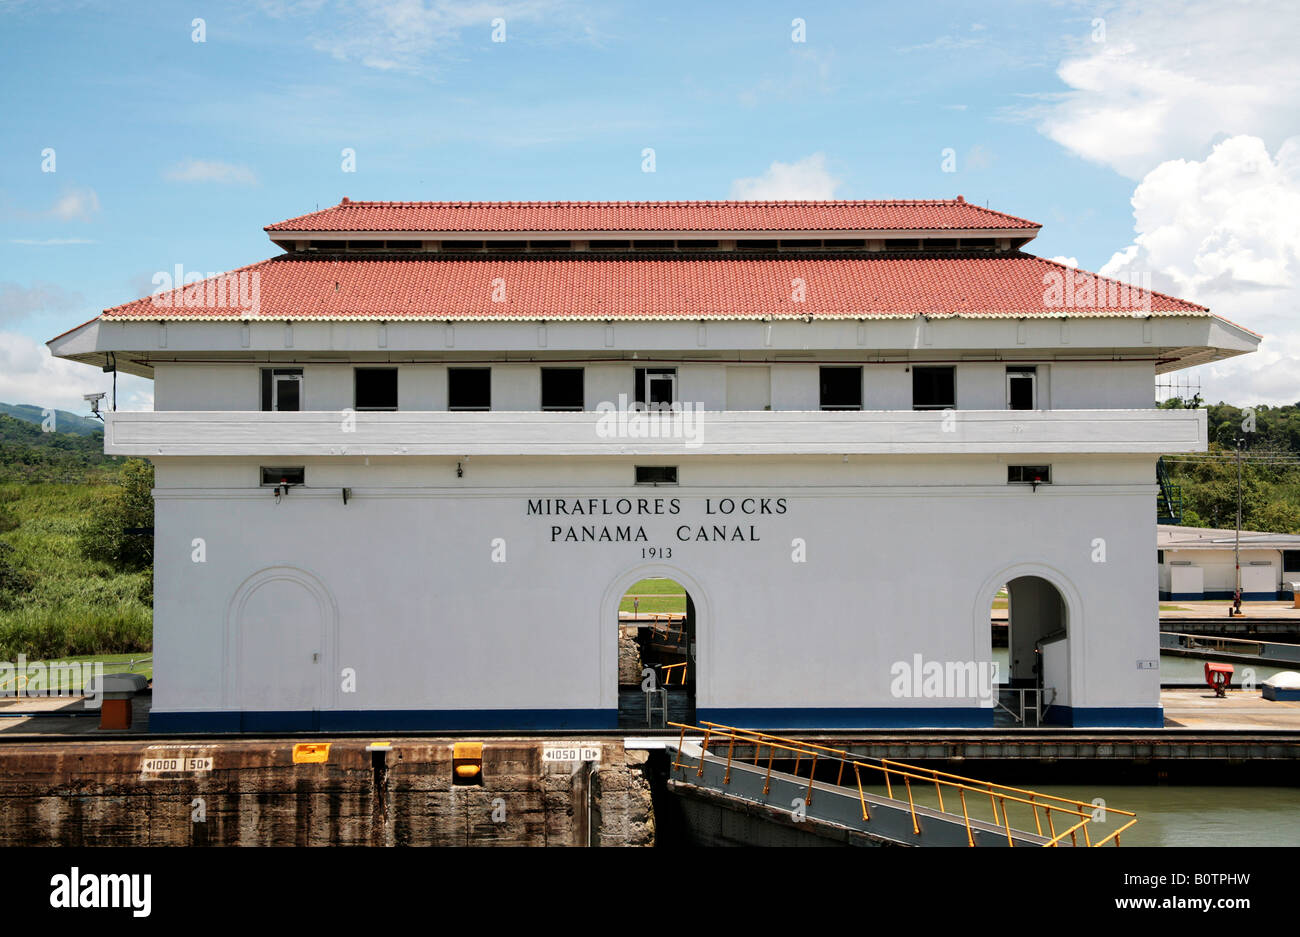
[
  {"x": 75, "y": 629},
  {"x": 107, "y": 538}
]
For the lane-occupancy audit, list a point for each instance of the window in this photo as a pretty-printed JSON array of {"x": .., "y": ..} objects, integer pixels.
[
  {"x": 934, "y": 388},
  {"x": 656, "y": 474},
  {"x": 1291, "y": 561},
  {"x": 1020, "y": 388},
  {"x": 282, "y": 389},
  {"x": 1160, "y": 557},
  {"x": 656, "y": 387},
  {"x": 469, "y": 388},
  {"x": 277, "y": 475},
  {"x": 1029, "y": 474},
  {"x": 561, "y": 388},
  {"x": 841, "y": 388},
  {"x": 376, "y": 388}
]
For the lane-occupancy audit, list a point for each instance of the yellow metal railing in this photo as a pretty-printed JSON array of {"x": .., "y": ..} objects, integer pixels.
[
  {"x": 669, "y": 669},
  {"x": 1076, "y": 815}
]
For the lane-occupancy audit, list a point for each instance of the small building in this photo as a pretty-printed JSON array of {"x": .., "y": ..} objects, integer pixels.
[
  {"x": 1199, "y": 563},
  {"x": 408, "y": 468}
]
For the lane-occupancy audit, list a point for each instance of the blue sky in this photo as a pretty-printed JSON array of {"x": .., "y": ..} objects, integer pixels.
[{"x": 170, "y": 151}]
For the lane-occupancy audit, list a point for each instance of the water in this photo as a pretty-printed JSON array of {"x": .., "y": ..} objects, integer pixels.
[{"x": 1180, "y": 671}]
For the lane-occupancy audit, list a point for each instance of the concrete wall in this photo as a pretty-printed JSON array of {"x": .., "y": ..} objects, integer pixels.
[
  {"x": 255, "y": 794},
  {"x": 1219, "y": 572},
  {"x": 785, "y": 385},
  {"x": 451, "y": 605}
]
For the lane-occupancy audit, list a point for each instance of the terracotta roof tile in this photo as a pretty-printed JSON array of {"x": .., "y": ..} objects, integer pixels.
[
  {"x": 297, "y": 286},
  {"x": 729, "y": 216}
]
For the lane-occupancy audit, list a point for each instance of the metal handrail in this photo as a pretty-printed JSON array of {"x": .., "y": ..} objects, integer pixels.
[
  {"x": 998, "y": 794},
  {"x": 668, "y": 675}
]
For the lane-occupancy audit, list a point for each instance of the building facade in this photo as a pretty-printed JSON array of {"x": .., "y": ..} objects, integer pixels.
[
  {"x": 407, "y": 469},
  {"x": 1198, "y": 563}
]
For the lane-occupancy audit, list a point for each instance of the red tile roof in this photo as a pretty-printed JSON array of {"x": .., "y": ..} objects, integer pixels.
[
  {"x": 521, "y": 217},
  {"x": 297, "y": 286}
]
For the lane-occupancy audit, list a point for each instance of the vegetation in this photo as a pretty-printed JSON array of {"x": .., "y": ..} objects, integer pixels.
[
  {"x": 1270, "y": 471},
  {"x": 71, "y": 581}
]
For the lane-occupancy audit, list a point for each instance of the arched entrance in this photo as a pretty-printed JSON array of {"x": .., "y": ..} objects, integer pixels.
[
  {"x": 1026, "y": 623},
  {"x": 656, "y": 619}
]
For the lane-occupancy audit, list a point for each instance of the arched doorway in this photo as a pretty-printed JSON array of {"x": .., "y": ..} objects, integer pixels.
[
  {"x": 657, "y": 672},
  {"x": 1027, "y": 621}
]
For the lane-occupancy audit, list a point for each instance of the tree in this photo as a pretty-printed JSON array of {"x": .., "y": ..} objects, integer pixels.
[{"x": 116, "y": 534}]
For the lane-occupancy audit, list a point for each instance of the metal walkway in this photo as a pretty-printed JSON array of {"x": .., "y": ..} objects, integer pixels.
[{"x": 729, "y": 762}]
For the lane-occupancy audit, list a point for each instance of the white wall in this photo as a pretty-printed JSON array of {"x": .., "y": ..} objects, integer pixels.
[{"x": 429, "y": 621}]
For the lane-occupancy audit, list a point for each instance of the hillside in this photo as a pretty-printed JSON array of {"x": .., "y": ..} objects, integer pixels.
[
  {"x": 29, "y": 455},
  {"x": 64, "y": 421}
]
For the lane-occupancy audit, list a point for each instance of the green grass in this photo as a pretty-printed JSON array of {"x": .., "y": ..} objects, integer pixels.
[
  {"x": 113, "y": 663},
  {"x": 75, "y": 606},
  {"x": 657, "y": 596}
]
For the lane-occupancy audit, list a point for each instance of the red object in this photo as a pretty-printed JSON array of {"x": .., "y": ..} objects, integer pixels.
[
  {"x": 1218, "y": 676},
  {"x": 115, "y": 714},
  {"x": 302, "y": 286},
  {"x": 721, "y": 216}
]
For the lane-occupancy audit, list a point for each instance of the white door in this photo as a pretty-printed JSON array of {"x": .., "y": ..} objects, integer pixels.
[{"x": 281, "y": 638}]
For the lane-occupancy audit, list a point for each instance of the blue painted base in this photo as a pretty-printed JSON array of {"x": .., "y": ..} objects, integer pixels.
[
  {"x": 449, "y": 720},
  {"x": 850, "y": 718},
  {"x": 1280, "y": 693},
  {"x": 1106, "y": 717}
]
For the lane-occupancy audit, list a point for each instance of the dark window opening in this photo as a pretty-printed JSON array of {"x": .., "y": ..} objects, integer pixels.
[
  {"x": 656, "y": 474},
  {"x": 653, "y": 245},
  {"x": 279, "y": 475},
  {"x": 841, "y": 388},
  {"x": 934, "y": 388},
  {"x": 1160, "y": 556},
  {"x": 550, "y": 245},
  {"x": 656, "y": 388},
  {"x": 1020, "y": 387},
  {"x": 756, "y": 245},
  {"x": 600, "y": 245},
  {"x": 1029, "y": 474},
  {"x": 940, "y": 244},
  {"x": 376, "y": 388},
  {"x": 1291, "y": 561},
  {"x": 507, "y": 245},
  {"x": 405, "y": 245},
  {"x": 282, "y": 389},
  {"x": 469, "y": 388},
  {"x": 461, "y": 247},
  {"x": 697, "y": 245},
  {"x": 562, "y": 389},
  {"x": 365, "y": 245},
  {"x": 845, "y": 242}
]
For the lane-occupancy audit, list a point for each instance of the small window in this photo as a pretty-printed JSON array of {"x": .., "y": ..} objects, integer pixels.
[
  {"x": 656, "y": 388},
  {"x": 841, "y": 388},
  {"x": 934, "y": 388},
  {"x": 469, "y": 388},
  {"x": 1021, "y": 383},
  {"x": 754, "y": 245},
  {"x": 1029, "y": 474},
  {"x": 1160, "y": 557},
  {"x": 461, "y": 247},
  {"x": 405, "y": 245},
  {"x": 376, "y": 388},
  {"x": 365, "y": 245},
  {"x": 1291, "y": 561},
  {"x": 282, "y": 389},
  {"x": 279, "y": 475},
  {"x": 653, "y": 245},
  {"x": 656, "y": 474},
  {"x": 562, "y": 389}
]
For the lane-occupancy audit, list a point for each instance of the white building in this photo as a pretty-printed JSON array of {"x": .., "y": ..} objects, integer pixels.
[
  {"x": 394, "y": 489},
  {"x": 1200, "y": 563}
]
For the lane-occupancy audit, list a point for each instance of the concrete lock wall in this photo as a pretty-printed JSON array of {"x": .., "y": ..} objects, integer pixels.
[
  {"x": 432, "y": 602},
  {"x": 90, "y": 794},
  {"x": 1261, "y": 573}
]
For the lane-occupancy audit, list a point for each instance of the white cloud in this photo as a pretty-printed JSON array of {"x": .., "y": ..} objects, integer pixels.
[
  {"x": 1172, "y": 77},
  {"x": 1066, "y": 261},
  {"x": 18, "y": 301},
  {"x": 401, "y": 35},
  {"x": 807, "y": 178},
  {"x": 75, "y": 204},
  {"x": 1225, "y": 232},
  {"x": 210, "y": 170},
  {"x": 29, "y": 374}
]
